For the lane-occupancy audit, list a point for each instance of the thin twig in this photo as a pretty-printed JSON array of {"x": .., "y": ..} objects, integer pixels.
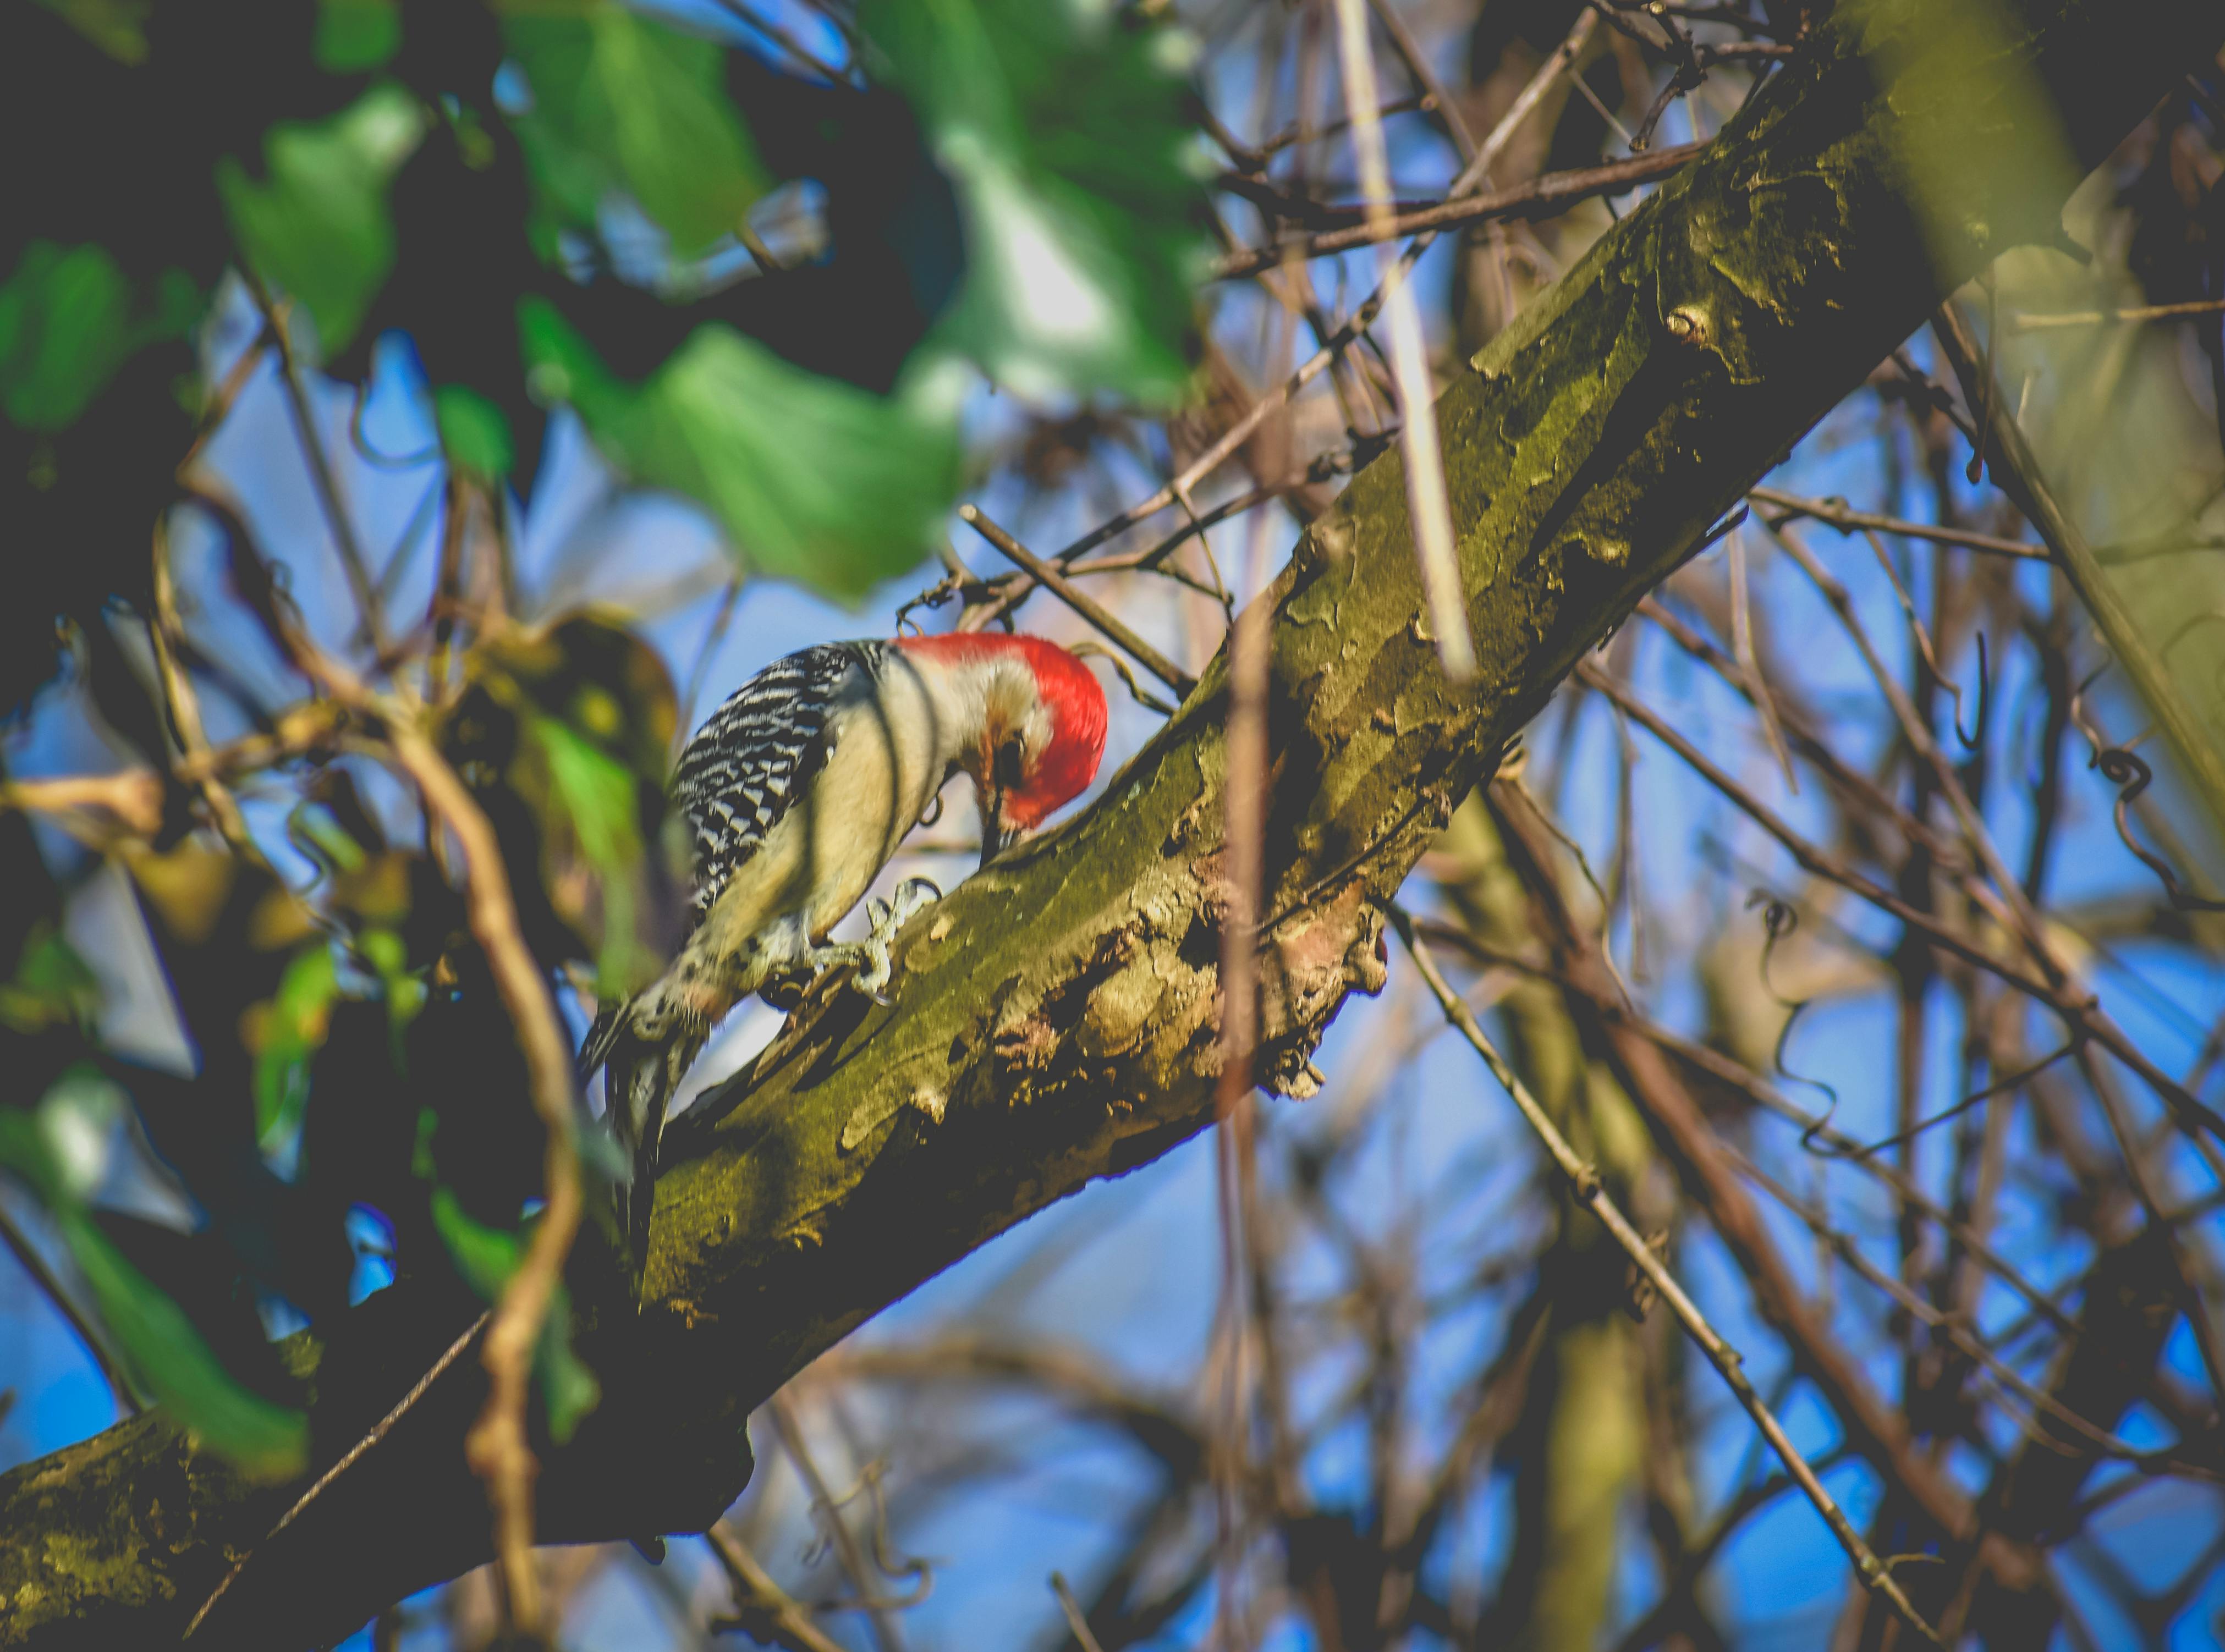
[
  {"x": 2028, "y": 321},
  {"x": 1742, "y": 648},
  {"x": 1250, "y": 645},
  {"x": 1429, "y": 506},
  {"x": 1835, "y": 513},
  {"x": 346, "y": 1461},
  {"x": 1854, "y": 787},
  {"x": 828, "y": 1507},
  {"x": 217, "y": 406},
  {"x": 1082, "y": 604},
  {"x": 131, "y": 797},
  {"x": 1555, "y": 192},
  {"x": 1584, "y": 1182},
  {"x": 166, "y": 632},
  {"x": 334, "y": 504},
  {"x": 1143, "y": 697},
  {"x": 496, "y": 1447},
  {"x": 1254, "y": 158},
  {"x": 721, "y": 616},
  {"x": 766, "y": 1608},
  {"x": 2083, "y": 1013},
  {"x": 1434, "y": 98},
  {"x": 2005, "y": 899},
  {"x": 1532, "y": 93},
  {"x": 1274, "y": 400},
  {"x": 134, "y": 796},
  {"x": 1760, "y": 1094},
  {"x": 1957, "y": 1332},
  {"x": 1562, "y": 835},
  {"x": 1084, "y": 1637},
  {"x": 2204, "y": 764},
  {"x": 1613, "y": 121}
]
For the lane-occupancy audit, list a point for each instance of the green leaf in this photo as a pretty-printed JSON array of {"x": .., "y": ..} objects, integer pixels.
[
  {"x": 1064, "y": 125},
  {"x": 169, "y": 1358},
  {"x": 405, "y": 989},
  {"x": 473, "y": 431},
  {"x": 69, "y": 319},
  {"x": 568, "y": 1388},
  {"x": 53, "y": 986},
  {"x": 312, "y": 828},
  {"x": 23, "y": 1149},
  {"x": 117, "y": 27},
  {"x": 354, "y": 36},
  {"x": 621, "y": 103},
  {"x": 596, "y": 791},
  {"x": 816, "y": 480},
  {"x": 597, "y": 796},
  {"x": 65, "y": 328},
  {"x": 572, "y": 722},
  {"x": 318, "y": 227},
  {"x": 287, "y": 1036},
  {"x": 486, "y": 1258},
  {"x": 62, "y": 1149}
]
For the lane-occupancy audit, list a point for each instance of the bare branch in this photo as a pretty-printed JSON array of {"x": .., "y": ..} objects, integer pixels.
[{"x": 1729, "y": 1364}]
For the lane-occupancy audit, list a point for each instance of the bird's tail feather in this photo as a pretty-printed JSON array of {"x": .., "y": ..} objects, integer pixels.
[
  {"x": 641, "y": 1076},
  {"x": 595, "y": 1048}
]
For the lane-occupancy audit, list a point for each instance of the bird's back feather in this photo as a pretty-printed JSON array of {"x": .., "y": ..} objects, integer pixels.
[{"x": 758, "y": 753}]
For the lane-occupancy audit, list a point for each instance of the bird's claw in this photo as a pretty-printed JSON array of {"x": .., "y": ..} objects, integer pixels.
[
  {"x": 914, "y": 896},
  {"x": 874, "y": 962},
  {"x": 873, "y": 974}
]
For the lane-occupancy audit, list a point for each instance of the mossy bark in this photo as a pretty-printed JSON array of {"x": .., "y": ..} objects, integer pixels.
[{"x": 1055, "y": 1020}]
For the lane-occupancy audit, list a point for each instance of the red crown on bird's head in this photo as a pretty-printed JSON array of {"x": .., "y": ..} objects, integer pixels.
[{"x": 1071, "y": 692}]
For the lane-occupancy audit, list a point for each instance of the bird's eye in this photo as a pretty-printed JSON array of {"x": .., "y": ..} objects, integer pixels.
[{"x": 1010, "y": 766}]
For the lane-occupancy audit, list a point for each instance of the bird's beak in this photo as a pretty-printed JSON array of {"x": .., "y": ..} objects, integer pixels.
[
  {"x": 996, "y": 836},
  {"x": 998, "y": 833}
]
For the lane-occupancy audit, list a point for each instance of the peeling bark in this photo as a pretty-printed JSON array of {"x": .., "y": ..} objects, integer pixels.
[{"x": 1056, "y": 1017}]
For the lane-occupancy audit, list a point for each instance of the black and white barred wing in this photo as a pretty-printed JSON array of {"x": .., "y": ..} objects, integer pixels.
[{"x": 758, "y": 753}]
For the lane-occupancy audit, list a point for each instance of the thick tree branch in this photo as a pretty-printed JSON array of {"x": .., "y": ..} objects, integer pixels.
[{"x": 1056, "y": 1017}]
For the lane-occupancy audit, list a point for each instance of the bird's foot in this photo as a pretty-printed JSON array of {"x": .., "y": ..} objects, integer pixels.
[
  {"x": 914, "y": 896},
  {"x": 872, "y": 955}
]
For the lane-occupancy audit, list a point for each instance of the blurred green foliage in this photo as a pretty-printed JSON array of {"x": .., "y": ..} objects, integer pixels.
[
  {"x": 317, "y": 226},
  {"x": 286, "y": 1036},
  {"x": 548, "y": 202},
  {"x": 620, "y": 105},
  {"x": 1006, "y": 182},
  {"x": 565, "y": 734},
  {"x": 486, "y": 1256},
  {"x": 354, "y": 36},
  {"x": 61, "y": 1149},
  {"x": 474, "y": 433},
  {"x": 2131, "y": 456},
  {"x": 727, "y": 421},
  {"x": 169, "y": 1358},
  {"x": 117, "y": 27},
  {"x": 1066, "y": 129},
  {"x": 51, "y": 986},
  {"x": 69, "y": 319}
]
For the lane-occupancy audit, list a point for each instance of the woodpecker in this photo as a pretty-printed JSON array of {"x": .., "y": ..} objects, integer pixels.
[{"x": 798, "y": 790}]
